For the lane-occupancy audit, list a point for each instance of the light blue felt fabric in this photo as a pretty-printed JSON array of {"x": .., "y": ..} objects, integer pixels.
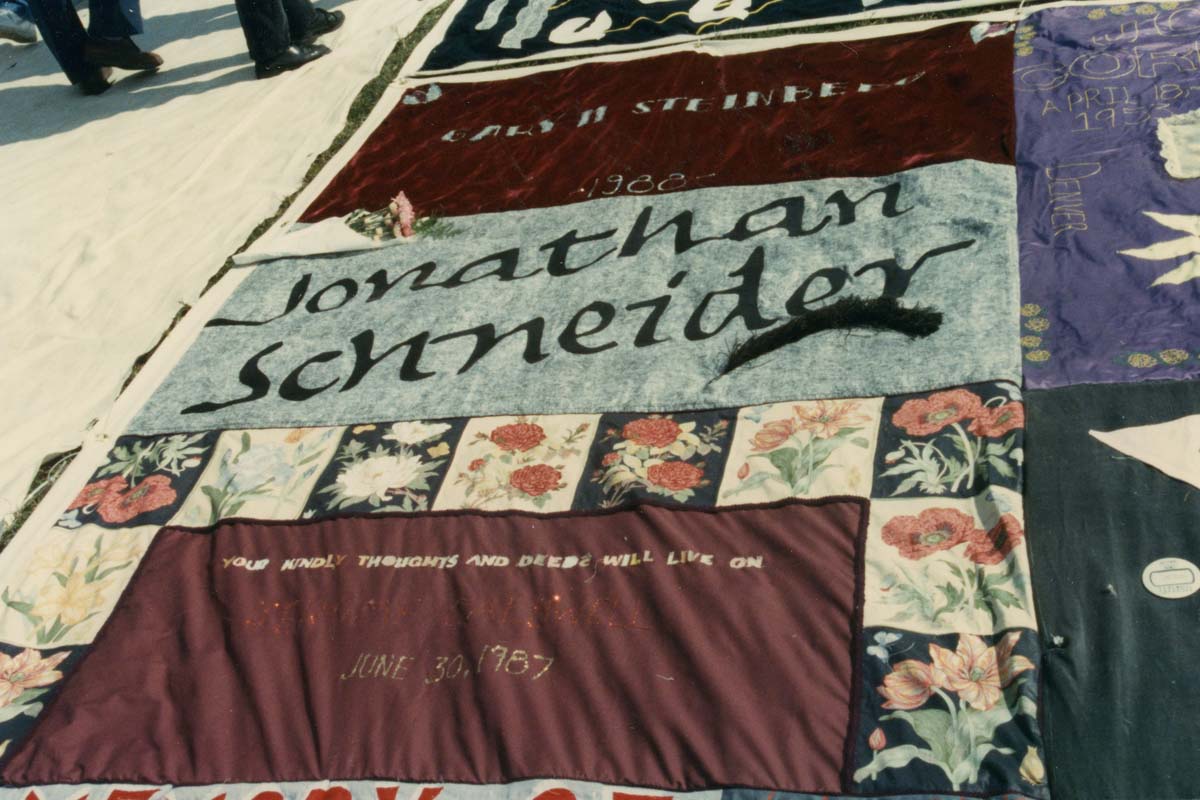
[{"x": 958, "y": 217}]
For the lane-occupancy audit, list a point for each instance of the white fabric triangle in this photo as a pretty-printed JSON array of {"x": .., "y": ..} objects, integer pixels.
[
  {"x": 321, "y": 238},
  {"x": 1172, "y": 447}
]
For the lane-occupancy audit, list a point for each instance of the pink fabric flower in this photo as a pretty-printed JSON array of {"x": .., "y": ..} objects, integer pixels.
[
  {"x": 26, "y": 670},
  {"x": 402, "y": 211},
  {"x": 908, "y": 685}
]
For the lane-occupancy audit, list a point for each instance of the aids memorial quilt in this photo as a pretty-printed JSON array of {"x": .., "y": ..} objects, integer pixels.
[
  {"x": 1116, "y": 557},
  {"x": 477, "y": 33},
  {"x": 1108, "y": 109},
  {"x": 667, "y": 473}
]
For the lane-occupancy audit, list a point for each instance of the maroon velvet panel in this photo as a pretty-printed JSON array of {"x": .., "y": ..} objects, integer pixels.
[
  {"x": 485, "y": 147},
  {"x": 217, "y": 667}
]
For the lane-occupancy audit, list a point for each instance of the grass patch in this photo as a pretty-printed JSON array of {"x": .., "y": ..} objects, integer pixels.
[{"x": 48, "y": 473}]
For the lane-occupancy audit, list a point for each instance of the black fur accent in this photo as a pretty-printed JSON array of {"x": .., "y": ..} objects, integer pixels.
[{"x": 879, "y": 314}]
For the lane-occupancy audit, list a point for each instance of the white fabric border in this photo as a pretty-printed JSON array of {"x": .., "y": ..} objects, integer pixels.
[{"x": 99, "y": 439}]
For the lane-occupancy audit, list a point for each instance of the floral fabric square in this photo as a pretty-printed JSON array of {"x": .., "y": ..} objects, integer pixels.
[
  {"x": 951, "y": 713},
  {"x": 954, "y": 442},
  {"x": 70, "y": 585},
  {"x": 667, "y": 457},
  {"x": 29, "y": 679},
  {"x": 144, "y": 482},
  {"x": 531, "y": 463},
  {"x": 395, "y": 466},
  {"x": 816, "y": 448},
  {"x": 262, "y": 474},
  {"x": 949, "y": 564}
]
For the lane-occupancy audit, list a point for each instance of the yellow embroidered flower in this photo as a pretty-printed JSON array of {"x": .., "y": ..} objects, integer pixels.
[
  {"x": 854, "y": 478},
  {"x": 1030, "y": 341},
  {"x": 1096, "y": 13},
  {"x": 1024, "y": 51},
  {"x": 125, "y": 553},
  {"x": 1142, "y": 360},
  {"x": 1038, "y": 355},
  {"x": 1038, "y": 324},
  {"x": 1032, "y": 769},
  {"x": 1122, "y": 9},
  {"x": 1030, "y": 310},
  {"x": 1146, "y": 10},
  {"x": 48, "y": 560},
  {"x": 1170, "y": 5},
  {"x": 71, "y": 602},
  {"x": 1174, "y": 356}
]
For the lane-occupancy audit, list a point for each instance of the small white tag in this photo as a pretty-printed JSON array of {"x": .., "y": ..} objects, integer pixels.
[{"x": 1172, "y": 578}]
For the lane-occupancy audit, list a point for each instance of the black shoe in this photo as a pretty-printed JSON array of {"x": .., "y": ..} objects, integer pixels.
[
  {"x": 96, "y": 82},
  {"x": 121, "y": 53},
  {"x": 323, "y": 22},
  {"x": 295, "y": 56}
]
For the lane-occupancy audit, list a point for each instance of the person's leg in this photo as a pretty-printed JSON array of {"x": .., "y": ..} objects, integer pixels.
[
  {"x": 114, "y": 19},
  {"x": 300, "y": 15},
  {"x": 274, "y": 32},
  {"x": 265, "y": 25},
  {"x": 111, "y": 25},
  {"x": 64, "y": 35}
]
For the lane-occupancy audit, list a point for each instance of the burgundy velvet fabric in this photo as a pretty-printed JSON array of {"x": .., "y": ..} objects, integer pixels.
[
  {"x": 470, "y": 148},
  {"x": 677, "y": 676}
]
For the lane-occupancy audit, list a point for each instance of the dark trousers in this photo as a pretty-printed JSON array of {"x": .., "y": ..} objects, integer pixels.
[
  {"x": 64, "y": 35},
  {"x": 271, "y": 26}
]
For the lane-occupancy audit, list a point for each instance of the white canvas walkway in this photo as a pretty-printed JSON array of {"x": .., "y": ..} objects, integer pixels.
[{"x": 117, "y": 209}]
